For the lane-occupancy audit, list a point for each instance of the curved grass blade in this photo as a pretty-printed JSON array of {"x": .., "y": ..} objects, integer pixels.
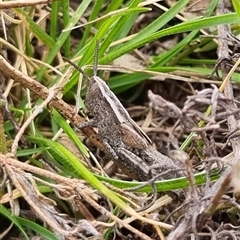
[
  {"x": 163, "y": 185},
  {"x": 191, "y": 25},
  {"x": 72, "y": 163},
  {"x": 37, "y": 228},
  {"x": 160, "y": 21},
  {"x": 4, "y": 211}
]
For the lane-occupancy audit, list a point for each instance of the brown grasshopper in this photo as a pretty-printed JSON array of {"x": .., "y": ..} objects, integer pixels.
[
  {"x": 127, "y": 144},
  {"x": 109, "y": 115}
]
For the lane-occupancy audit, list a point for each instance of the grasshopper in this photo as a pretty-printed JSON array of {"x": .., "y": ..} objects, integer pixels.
[{"x": 127, "y": 144}]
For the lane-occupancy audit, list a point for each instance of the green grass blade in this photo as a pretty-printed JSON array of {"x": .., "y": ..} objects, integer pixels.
[
  {"x": 69, "y": 131},
  {"x": 122, "y": 28},
  {"x": 194, "y": 24},
  {"x": 113, "y": 5},
  {"x": 88, "y": 52},
  {"x": 4, "y": 211},
  {"x": 72, "y": 163},
  {"x": 236, "y": 5},
  {"x": 119, "y": 28},
  {"x": 64, "y": 35},
  {"x": 112, "y": 27},
  {"x": 35, "y": 29},
  {"x": 66, "y": 18},
  {"x": 169, "y": 55},
  {"x": 125, "y": 81},
  {"x": 37, "y": 228},
  {"x": 64, "y": 157},
  {"x": 161, "y": 186},
  {"x": 54, "y": 19},
  {"x": 28, "y": 152},
  {"x": 160, "y": 22},
  {"x": 94, "y": 13}
]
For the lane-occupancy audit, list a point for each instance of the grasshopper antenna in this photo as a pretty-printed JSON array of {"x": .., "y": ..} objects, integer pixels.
[
  {"x": 76, "y": 67},
  {"x": 95, "y": 63}
]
